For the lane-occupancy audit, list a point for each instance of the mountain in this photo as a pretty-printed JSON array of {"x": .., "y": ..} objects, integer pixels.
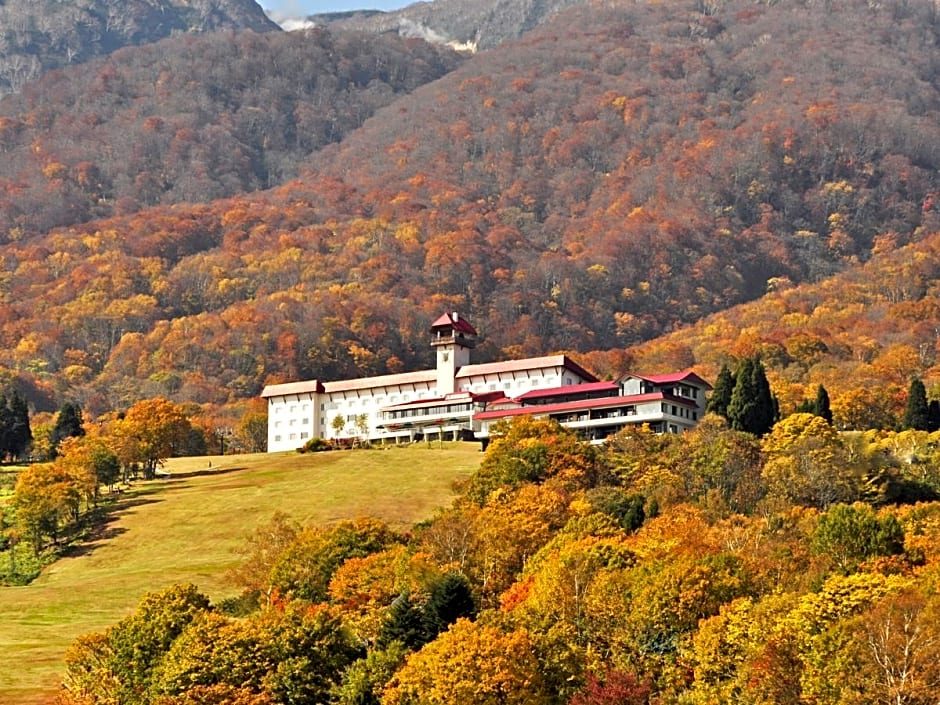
[
  {"x": 466, "y": 24},
  {"x": 863, "y": 334},
  {"x": 40, "y": 35},
  {"x": 614, "y": 174},
  {"x": 192, "y": 118}
]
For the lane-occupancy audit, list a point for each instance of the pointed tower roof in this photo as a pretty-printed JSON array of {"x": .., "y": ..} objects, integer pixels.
[{"x": 454, "y": 321}]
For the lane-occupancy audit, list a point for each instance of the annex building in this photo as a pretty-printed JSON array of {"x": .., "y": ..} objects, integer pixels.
[{"x": 460, "y": 399}]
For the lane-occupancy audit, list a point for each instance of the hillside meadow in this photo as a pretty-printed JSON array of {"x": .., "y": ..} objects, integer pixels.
[{"x": 189, "y": 527}]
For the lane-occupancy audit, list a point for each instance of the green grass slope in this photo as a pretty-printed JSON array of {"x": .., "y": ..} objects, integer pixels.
[{"x": 188, "y": 528}]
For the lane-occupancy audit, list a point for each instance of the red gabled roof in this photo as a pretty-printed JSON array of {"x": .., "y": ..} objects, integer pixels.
[
  {"x": 453, "y": 320},
  {"x": 456, "y": 397},
  {"x": 529, "y": 363},
  {"x": 684, "y": 376},
  {"x": 581, "y": 404},
  {"x": 283, "y": 390},
  {"x": 402, "y": 378},
  {"x": 586, "y": 388}
]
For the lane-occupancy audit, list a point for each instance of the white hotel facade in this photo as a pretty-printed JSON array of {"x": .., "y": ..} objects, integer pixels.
[{"x": 465, "y": 400}]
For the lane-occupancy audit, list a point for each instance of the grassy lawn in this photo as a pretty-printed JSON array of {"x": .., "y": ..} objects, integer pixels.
[{"x": 187, "y": 528}]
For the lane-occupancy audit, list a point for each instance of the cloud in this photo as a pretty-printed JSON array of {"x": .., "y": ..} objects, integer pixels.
[{"x": 289, "y": 15}]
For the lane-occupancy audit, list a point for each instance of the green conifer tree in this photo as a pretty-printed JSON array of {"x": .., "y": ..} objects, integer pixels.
[
  {"x": 933, "y": 415},
  {"x": 752, "y": 407},
  {"x": 720, "y": 397},
  {"x": 68, "y": 423},
  {"x": 821, "y": 405},
  {"x": 449, "y": 600},
  {"x": 404, "y": 623},
  {"x": 916, "y": 414}
]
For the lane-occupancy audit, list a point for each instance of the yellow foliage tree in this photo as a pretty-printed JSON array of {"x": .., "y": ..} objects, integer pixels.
[
  {"x": 150, "y": 432},
  {"x": 806, "y": 463},
  {"x": 471, "y": 663}
]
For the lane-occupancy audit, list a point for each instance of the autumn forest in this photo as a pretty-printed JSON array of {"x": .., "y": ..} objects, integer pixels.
[
  {"x": 584, "y": 189},
  {"x": 190, "y": 215}
]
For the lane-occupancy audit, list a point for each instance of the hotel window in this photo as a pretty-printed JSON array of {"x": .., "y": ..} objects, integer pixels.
[
  {"x": 304, "y": 422},
  {"x": 303, "y": 435},
  {"x": 277, "y": 439},
  {"x": 293, "y": 437},
  {"x": 293, "y": 408}
]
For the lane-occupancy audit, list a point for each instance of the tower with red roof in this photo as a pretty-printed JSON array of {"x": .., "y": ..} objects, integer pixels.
[{"x": 452, "y": 338}]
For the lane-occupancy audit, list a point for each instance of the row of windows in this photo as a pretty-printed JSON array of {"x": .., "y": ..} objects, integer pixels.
[
  {"x": 379, "y": 401},
  {"x": 376, "y": 401},
  {"x": 292, "y": 437},
  {"x": 532, "y": 383},
  {"x": 680, "y": 411},
  {"x": 620, "y": 411},
  {"x": 292, "y": 422},
  {"x": 430, "y": 411},
  {"x": 279, "y": 409}
]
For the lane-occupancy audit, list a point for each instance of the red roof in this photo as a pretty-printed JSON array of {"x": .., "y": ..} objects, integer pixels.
[
  {"x": 453, "y": 320},
  {"x": 586, "y": 388},
  {"x": 400, "y": 379},
  {"x": 529, "y": 363},
  {"x": 684, "y": 376},
  {"x": 455, "y": 398},
  {"x": 291, "y": 388},
  {"x": 602, "y": 403}
]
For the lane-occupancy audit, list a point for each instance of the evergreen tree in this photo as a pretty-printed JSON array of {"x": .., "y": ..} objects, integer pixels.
[
  {"x": 404, "y": 623},
  {"x": 449, "y": 600},
  {"x": 68, "y": 423},
  {"x": 916, "y": 415},
  {"x": 21, "y": 434},
  {"x": 15, "y": 433},
  {"x": 821, "y": 405},
  {"x": 933, "y": 415},
  {"x": 721, "y": 393},
  {"x": 807, "y": 406},
  {"x": 6, "y": 428},
  {"x": 752, "y": 407}
]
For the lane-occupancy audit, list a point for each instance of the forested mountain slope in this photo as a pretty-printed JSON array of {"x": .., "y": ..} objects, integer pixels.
[
  {"x": 39, "y": 35},
  {"x": 475, "y": 24},
  {"x": 863, "y": 334},
  {"x": 192, "y": 118},
  {"x": 614, "y": 174}
]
